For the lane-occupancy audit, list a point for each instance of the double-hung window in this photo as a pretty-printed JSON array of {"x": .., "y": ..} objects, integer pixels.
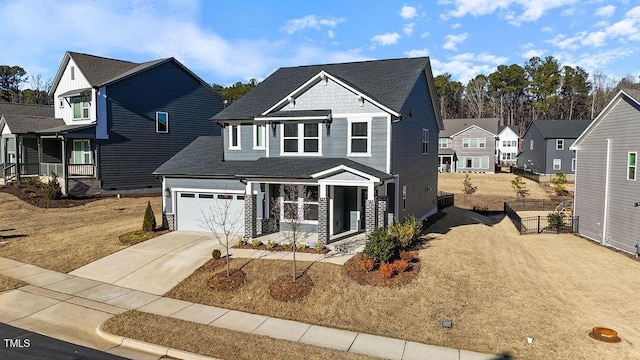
[
  {"x": 162, "y": 122},
  {"x": 303, "y": 201},
  {"x": 557, "y": 164},
  {"x": 301, "y": 138},
  {"x": 632, "y": 165},
  {"x": 359, "y": 142},
  {"x": 234, "y": 137},
  {"x": 80, "y": 106},
  {"x": 425, "y": 141},
  {"x": 259, "y": 136},
  {"x": 443, "y": 142},
  {"x": 82, "y": 151},
  {"x": 474, "y": 142},
  {"x": 559, "y": 144}
]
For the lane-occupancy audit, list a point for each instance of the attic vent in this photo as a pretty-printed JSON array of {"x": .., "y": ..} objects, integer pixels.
[
  {"x": 361, "y": 100},
  {"x": 324, "y": 78},
  {"x": 292, "y": 101}
]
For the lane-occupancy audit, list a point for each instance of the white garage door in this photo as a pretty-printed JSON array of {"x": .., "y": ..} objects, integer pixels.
[{"x": 190, "y": 207}]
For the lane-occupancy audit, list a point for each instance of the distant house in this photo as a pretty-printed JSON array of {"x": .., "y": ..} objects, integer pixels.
[
  {"x": 607, "y": 180},
  {"x": 507, "y": 146},
  {"x": 359, "y": 137},
  {"x": 113, "y": 123},
  {"x": 468, "y": 145},
  {"x": 546, "y": 146}
]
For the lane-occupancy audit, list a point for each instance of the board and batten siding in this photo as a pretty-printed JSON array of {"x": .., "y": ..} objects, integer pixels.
[
  {"x": 134, "y": 148},
  {"x": 417, "y": 171},
  {"x": 620, "y": 126},
  {"x": 67, "y": 84},
  {"x": 197, "y": 184}
]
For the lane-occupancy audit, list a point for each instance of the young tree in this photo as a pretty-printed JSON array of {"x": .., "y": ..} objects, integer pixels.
[
  {"x": 468, "y": 189},
  {"x": 294, "y": 207},
  {"x": 520, "y": 187},
  {"x": 149, "y": 221},
  {"x": 223, "y": 222},
  {"x": 559, "y": 180}
]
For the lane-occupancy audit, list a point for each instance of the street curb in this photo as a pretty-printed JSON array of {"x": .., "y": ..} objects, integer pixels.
[{"x": 149, "y": 347}]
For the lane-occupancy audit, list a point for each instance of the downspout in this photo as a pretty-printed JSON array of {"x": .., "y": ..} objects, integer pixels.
[{"x": 603, "y": 241}]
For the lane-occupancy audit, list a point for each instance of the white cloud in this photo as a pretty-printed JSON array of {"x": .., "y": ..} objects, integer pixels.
[
  {"x": 561, "y": 41},
  {"x": 605, "y": 11},
  {"x": 451, "y": 41},
  {"x": 330, "y": 34},
  {"x": 386, "y": 39},
  {"x": 466, "y": 66},
  {"x": 407, "y": 29},
  {"x": 532, "y": 53},
  {"x": 547, "y": 29},
  {"x": 424, "y": 35},
  {"x": 417, "y": 52},
  {"x": 408, "y": 12},
  {"x": 312, "y": 22},
  {"x": 591, "y": 61},
  {"x": 569, "y": 12},
  {"x": 455, "y": 26},
  {"x": 528, "y": 10}
]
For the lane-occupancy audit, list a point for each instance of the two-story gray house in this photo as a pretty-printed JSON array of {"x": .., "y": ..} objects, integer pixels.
[
  {"x": 546, "y": 146},
  {"x": 468, "y": 145},
  {"x": 360, "y": 137},
  {"x": 607, "y": 181},
  {"x": 113, "y": 123}
]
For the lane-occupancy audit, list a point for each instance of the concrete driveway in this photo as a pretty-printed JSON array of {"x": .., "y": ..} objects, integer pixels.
[{"x": 154, "y": 266}]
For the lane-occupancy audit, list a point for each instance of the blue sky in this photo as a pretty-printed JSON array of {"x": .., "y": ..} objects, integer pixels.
[{"x": 228, "y": 41}]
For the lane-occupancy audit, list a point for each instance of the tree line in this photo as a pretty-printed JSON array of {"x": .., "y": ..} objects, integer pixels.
[
  {"x": 11, "y": 79},
  {"x": 541, "y": 89}
]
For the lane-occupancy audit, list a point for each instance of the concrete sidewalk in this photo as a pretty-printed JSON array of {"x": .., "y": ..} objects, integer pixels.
[{"x": 71, "y": 308}]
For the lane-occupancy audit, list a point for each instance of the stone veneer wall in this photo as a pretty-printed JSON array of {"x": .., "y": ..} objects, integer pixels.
[
  {"x": 250, "y": 216},
  {"x": 168, "y": 221},
  {"x": 382, "y": 211},
  {"x": 369, "y": 216},
  {"x": 323, "y": 220}
]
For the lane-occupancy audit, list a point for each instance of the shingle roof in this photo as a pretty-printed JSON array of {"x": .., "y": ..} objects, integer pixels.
[
  {"x": 21, "y": 124},
  {"x": 386, "y": 81},
  {"x": 633, "y": 93},
  {"x": 454, "y": 126},
  {"x": 26, "y": 109},
  {"x": 561, "y": 129},
  {"x": 203, "y": 157},
  {"x": 99, "y": 70},
  {"x": 512, "y": 127}
]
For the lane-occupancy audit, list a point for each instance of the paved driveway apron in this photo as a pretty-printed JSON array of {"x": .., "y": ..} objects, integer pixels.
[{"x": 154, "y": 266}]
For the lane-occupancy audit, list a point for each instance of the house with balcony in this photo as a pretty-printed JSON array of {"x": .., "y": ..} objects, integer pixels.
[
  {"x": 468, "y": 145},
  {"x": 113, "y": 123},
  {"x": 359, "y": 138}
]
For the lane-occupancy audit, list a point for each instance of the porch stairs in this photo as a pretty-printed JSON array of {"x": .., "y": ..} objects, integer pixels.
[{"x": 84, "y": 187}]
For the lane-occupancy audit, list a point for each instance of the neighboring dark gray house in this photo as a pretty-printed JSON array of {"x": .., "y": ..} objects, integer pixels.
[
  {"x": 607, "y": 181},
  {"x": 468, "y": 145},
  {"x": 114, "y": 122},
  {"x": 546, "y": 143},
  {"x": 361, "y": 138}
]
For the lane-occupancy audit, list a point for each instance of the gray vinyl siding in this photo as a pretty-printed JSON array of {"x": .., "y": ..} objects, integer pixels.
[
  {"x": 620, "y": 126},
  {"x": 487, "y": 152},
  {"x": 564, "y": 155},
  {"x": 418, "y": 172},
  {"x": 134, "y": 148},
  {"x": 246, "y": 151},
  {"x": 534, "y": 159},
  {"x": 331, "y": 96},
  {"x": 196, "y": 183}
]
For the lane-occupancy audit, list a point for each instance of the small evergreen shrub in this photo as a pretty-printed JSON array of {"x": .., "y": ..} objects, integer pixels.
[
  {"x": 216, "y": 254},
  {"x": 387, "y": 270},
  {"x": 559, "y": 180},
  {"x": 380, "y": 247},
  {"x": 270, "y": 244},
  {"x": 555, "y": 221},
  {"x": 320, "y": 247},
  {"x": 520, "y": 187},
  {"x": 367, "y": 263},
  {"x": 242, "y": 241},
  {"x": 52, "y": 189},
  {"x": 301, "y": 246},
  {"x": 256, "y": 242},
  {"x": 400, "y": 266},
  {"x": 149, "y": 222},
  {"x": 406, "y": 232},
  {"x": 287, "y": 245}
]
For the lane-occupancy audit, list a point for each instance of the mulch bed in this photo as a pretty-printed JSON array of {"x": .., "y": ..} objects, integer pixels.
[
  {"x": 355, "y": 271},
  {"x": 222, "y": 282},
  {"x": 281, "y": 248},
  {"x": 34, "y": 195},
  {"x": 285, "y": 289}
]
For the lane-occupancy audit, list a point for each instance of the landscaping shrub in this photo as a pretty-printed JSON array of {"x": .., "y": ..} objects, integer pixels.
[
  {"x": 400, "y": 266},
  {"x": 287, "y": 245},
  {"x": 387, "y": 270},
  {"x": 468, "y": 189},
  {"x": 301, "y": 246},
  {"x": 555, "y": 220},
  {"x": 520, "y": 187},
  {"x": 270, "y": 244},
  {"x": 242, "y": 240},
  {"x": 149, "y": 222},
  {"x": 256, "y": 242},
  {"x": 367, "y": 263},
  {"x": 52, "y": 189},
  {"x": 406, "y": 232},
  {"x": 320, "y": 246},
  {"x": 559, "y": 180},
  {"x": 216, "y": 254},
  {"x": 380, "y": 247}
]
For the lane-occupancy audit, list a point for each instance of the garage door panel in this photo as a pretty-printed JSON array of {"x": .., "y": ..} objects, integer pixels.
[{"x": 190, "y": 207}]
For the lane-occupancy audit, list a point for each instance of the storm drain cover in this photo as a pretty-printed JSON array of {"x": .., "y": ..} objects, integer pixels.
[{"x": 604, "y": 334}]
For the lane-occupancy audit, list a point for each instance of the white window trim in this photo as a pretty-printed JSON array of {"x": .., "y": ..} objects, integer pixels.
[
  {"x": 255, "y": 138},
  {"x": 635, "y": 166},
  {"x": 482, "y": 143},
  {"x": 559, "y": 144},
  {"x": 158, "y": 122},
  {"x": 466, "y": 143},
  {"x": 301, "y": 138},
  {"x": 446, "y": 143},
  {"x": 301, "y": 203},
  {"x": 359, "y": 120},
  {"x": 557, "y": 162},
  {"x": 573, "y": 164},
  {"x": 82, "y": 108},
  {"x": 239, "y": 138},
  {"x": 425, "y": 141},
  {"x": 404, "y": 197},
  {"x": 61, "y": 103}
]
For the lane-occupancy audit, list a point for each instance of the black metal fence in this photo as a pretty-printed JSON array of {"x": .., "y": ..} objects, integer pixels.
[
  {"x": 445, "y": 200},
  {"x": 542, "y": 224},
  {"x": 525, "y": 174},
  {"x": 525, "y": 204}
]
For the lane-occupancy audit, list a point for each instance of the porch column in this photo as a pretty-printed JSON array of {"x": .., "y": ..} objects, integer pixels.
[
  {"x": 382, "y": 211},
  {"x": 323, "y": 214},
  {"x": 369, "y": 216},
  {"x": 250, "y": 213},
  {"x": 65, "y": 173}
]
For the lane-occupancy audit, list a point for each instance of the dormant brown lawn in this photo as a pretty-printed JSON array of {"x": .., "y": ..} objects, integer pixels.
[{"x": 68, "y": 238}]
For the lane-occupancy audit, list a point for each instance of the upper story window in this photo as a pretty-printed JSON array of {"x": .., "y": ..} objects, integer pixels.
[
  {"x": 80, "y": 106},
  {"x": 509, "y": 143},
  {"x": 559, "y": 144},
  {"x": 301, "y": 139},
  {"x": 72, "y": 71},
  {"x": 359, "y": 137},
  {"x": 474, "y": 142},
  {"x": 514, "y": 143},
  {"x": 425, "y": 141},
  {"x": 234, "y": 137},
  {"x": 443, "y": 142},
  {"x": 162, "y": 122},
  {"x": 259, "y": 136},
  {"x": 632, "y": 162}
]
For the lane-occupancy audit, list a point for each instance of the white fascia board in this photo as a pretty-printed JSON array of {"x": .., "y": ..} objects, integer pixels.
[
  {"x": 477, "y": 127},
  {"x": 345, "y": 168}
]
